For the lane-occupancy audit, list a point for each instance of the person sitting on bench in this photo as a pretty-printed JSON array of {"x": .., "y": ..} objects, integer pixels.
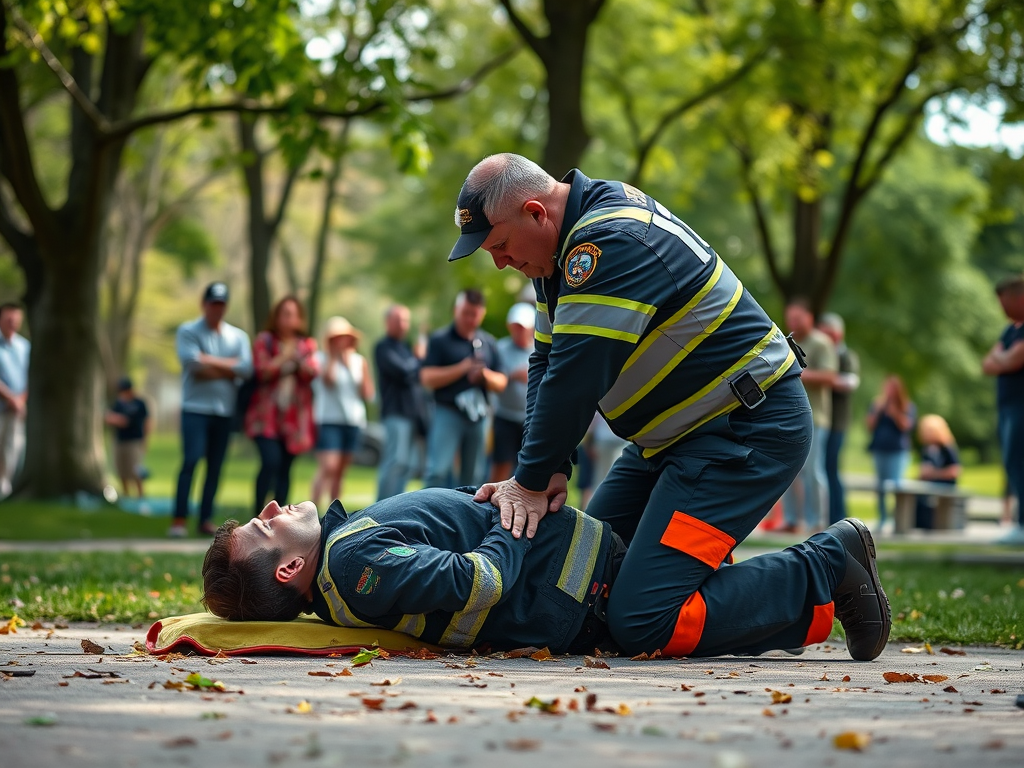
[
  {"x": 440, "y": 566},
  {"x": 940, "y": 463}
]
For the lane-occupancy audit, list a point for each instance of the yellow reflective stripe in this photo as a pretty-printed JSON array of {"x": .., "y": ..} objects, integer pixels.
[
  {"x": 412, "y": 624},
  {"x": 544, "y": 338},
  {"x": 582, "y": 556},
  {"x": 790, "y": 359},
  {"x": 687, "y": 308},
  {"x": 593, "y": 330},
  {"x": 717, "y": 381},
  {"x": 542, "y": 307},
  {"x": 542, "y": 326},
  {"x": 680, "y": 355},
  {"x": 465, "y": 624},
  {"x": 608, "y": 301},
  {"x": 339, "y": 609},
  {"x": 601, "y": 214}
]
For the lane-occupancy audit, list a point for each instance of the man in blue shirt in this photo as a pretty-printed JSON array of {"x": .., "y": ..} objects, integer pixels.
[
  {"x": 215, "y": 357},
  {"x": 1005, "y": 361},
  {"x": 638, "y": 317},
  {"x": 14, "y": 354},
  {"x": 401, "y": 400}
]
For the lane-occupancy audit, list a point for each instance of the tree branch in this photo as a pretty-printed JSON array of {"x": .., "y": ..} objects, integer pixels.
[
  {"x": 595, "y": 9},
  {"x": 66, "y": 79},
  {"x": 760, "y": 217},
  {"x": 524, "y": 31},
  {"x": 282, "y": 204}
]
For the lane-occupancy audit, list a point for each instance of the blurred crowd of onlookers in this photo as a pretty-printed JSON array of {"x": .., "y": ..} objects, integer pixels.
[{"x": 452, "y": 407}]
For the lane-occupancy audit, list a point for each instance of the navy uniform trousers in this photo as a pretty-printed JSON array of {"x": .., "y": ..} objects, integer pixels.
[{"x": 684, "y": 510}]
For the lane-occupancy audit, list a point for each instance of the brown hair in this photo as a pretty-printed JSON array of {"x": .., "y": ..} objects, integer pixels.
[
  {"x": 902, "y": 398},
  {"x": 246, "y": 589},
  {"x": 1010, "y": 284},
  {"x": 272, "y": 317}
]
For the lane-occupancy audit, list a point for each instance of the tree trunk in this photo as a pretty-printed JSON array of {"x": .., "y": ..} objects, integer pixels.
[
  {"x": 323, "y": 233},
  {"x": 803, "y": 279},
  {"x": 563, "y": 59},
  {"x": 260, "y": 235}
]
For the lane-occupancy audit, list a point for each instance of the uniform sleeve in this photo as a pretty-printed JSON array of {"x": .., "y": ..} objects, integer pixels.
[
  {"x": 383, "y": 573},
  {"x": 596, "y": 327}
]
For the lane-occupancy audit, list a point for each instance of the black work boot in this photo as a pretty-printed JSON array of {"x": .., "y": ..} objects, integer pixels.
[{"x": 860, "y": 603}]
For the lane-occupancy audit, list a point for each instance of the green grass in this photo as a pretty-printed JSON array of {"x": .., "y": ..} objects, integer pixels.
[{"x": 137, "y": 588}]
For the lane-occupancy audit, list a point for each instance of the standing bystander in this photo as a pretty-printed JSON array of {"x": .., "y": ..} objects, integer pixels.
[
  {"x": 461, "y": 367},
  {"x": 14, "y": 353},
  {"x": 510, "y": 409},
  {"x": 401, "y": 400},
  {"x": 818, "y": 379},
  {"x": 215, "y": 357},
  {"x": 129, "y": 417},
  {"x": 847, "y": 380},
  {"x": 890, "y": 421},
  {"x": 1006, "y": 362}
]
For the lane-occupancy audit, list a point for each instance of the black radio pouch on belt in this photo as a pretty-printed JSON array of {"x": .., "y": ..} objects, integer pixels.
[{"x": 747, "y": 390}]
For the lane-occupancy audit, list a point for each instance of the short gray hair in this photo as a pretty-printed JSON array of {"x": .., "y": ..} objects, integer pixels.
[
  {"x": 504, "y": 182},
  {"x": 833, "y": 321}
]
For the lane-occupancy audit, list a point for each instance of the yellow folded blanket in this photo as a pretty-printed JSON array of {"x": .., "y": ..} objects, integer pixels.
[{"x": 207, "y": 634}]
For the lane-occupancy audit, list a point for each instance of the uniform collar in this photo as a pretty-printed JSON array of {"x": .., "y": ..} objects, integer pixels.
[{"x": 573, "y": 204}]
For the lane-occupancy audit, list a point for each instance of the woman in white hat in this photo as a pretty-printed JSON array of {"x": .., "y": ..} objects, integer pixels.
[{"x": 339, "y": 406}]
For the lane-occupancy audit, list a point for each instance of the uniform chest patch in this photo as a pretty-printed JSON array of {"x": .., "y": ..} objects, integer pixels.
[
  {"x": 581, "y": 263},
  {"x": 402, "y": 551},
  {"x": 368, "y": 581}
]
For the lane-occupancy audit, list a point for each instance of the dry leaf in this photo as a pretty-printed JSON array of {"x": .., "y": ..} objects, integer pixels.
[
  {"x": 824, "y": 677},
  {"x": 396, "y": 681},
  {"x": 302, "y": 708},
  {"x": 645, "y": 657},
  {"x": 952, "y": 652},
  {"x": 421, "y": 653},
  {"x": 846, "y": 678},
  {"x": 950, "y": 689},
  {"x": 609, "y": 727},
  {"x": 521, "y": 653},
  {"x": 522, "y": 745},
  {"x": 921, "y": 649},
  {"x": 345, "y": 672},
  {"x": 407, "y": 705},
  {"x": 590, "y": 661},
  {"x": 542, "y": 655},
  {"x": 900, "y": 677},
  {"x": 767, "y": 712},
  {"x": 553, "y": 707},
  {"x": 854, "y": 740},
  {"x": 321, "y": 673},
  {"x": 377, "y": 705},
  {"x": 579, "y": 689},
  {"x": 181, "y": 741},
  {"x": 591, "y": 701},
  {"x": 935, "y": 678},
  {"x": 778, "y": 697},
  {"x": 90, "y": 647},
  {"x": 431, "y": 717},
  {"x": 623, "y": 710},
  {"x": 11, "y": 627}
]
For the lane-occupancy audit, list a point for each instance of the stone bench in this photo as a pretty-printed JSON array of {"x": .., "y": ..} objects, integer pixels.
[{"x": 950, "y": 508}]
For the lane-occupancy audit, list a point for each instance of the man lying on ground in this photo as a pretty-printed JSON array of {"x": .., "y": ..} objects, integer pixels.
[{"x": 440, "y": 566}]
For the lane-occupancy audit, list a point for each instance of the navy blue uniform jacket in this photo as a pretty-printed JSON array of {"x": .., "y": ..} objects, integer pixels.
[{"x": 437, "y": 565}]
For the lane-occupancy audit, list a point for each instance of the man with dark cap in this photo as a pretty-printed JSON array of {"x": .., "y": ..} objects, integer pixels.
[
  {"x": 215, "y": 358},
  {"x": 638, "y": 317}
]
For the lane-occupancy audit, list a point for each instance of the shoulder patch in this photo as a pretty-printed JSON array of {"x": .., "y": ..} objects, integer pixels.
[
  {"x": 634, "y": 195},
  {"x": 367, "y": 581},
  {"x": 581, "y": 263},
  {"x": 402, "y": 551}
]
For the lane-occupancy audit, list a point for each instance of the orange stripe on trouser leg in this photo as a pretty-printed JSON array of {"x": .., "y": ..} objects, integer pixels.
[
  {"x": 821, "y": 624},
  {"x": 689, "y": 627},
  {"x": 697, "y": 539}
]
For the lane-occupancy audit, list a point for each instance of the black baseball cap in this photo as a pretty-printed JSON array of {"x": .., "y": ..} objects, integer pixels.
[
  {"x": 124, "y": 384},
  {"x": 470, "y": 218},
  {"x": 216, "y": 292}
]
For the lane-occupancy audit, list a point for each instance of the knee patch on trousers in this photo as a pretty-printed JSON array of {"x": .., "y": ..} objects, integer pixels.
[
  {"x": 689, "y": 627},
  {"x": 698, "y": 539}
]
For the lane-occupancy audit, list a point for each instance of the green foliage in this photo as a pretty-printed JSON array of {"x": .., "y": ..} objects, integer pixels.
[{"x": 188, "y": 242}]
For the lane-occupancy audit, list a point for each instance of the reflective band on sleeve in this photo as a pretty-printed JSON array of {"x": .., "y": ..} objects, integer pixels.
[
  {"x": 582, "y": 555},
  {"x": 689, "y": 627},
  {"x": 821, "y": 624},
  {"x": 606, "y": 316},
  {"x": 698, "y": 539},
  {"x": 465, "y": 624},
  {"x": 328, "y": 585},
  {"x": 673, "y": 341},
  {"x": 766, "y": 361},
  {"x": 672, "y": 228},
  {"x": 604, "y": 214},
  {"x": 542, "y": 326},
  {"x": 412, "y": 624}
]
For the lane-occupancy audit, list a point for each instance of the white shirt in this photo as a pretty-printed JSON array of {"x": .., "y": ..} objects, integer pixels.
[{"x": 341, "y": 403}]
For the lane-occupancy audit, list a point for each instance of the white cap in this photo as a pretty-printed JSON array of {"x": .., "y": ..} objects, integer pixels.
[{"x": 521, "y": 314}]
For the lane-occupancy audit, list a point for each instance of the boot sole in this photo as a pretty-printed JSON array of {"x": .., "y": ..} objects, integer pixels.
[{"x": 872, "y": 569}]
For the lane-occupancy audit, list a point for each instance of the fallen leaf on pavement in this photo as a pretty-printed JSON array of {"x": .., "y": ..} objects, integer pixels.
[
  {"x": 778, "y": 697},
  {"x": 322, "y": 673},
  {"x": 935, "y": 678},
  {"x": 590, "y": 661},
  {"x": 396, "y": 681},
  {"x": 42, "y": 720},
  {"x": 302, "y": 708},
  {"x": 983, "y": 667},
  {"x": 767, "y": 712},
  {"x": 421, "y": 653},
  {"x": 553, "y": 707},
  {"x": 950, "y": 689},
  {"x": 520, "y": 653},
  {"x": 846, "y": 678},
  {"x": 609, "y": 727},
  {"x": 181, "y": 741},
  {"x": 11, "y": 627},
  {"x": 623, "y": 710},
  {"x": 591, "y": 701},
  {"x": 920, "y": 649},
  {"x": 900, "y": 677},
  {"x": 522, "y": 745},
  {"x": 90, "y": 647},
  {"x": 645, "y": 657},
  {"x": 952, "y": 652},
  {"x": 854, "y": 740},
  {"x": 200, "y": 683},
  {"x": 407, "y": 705},
  {"x": 365, "y": 656},
  {"x": 542, "y": 655}
]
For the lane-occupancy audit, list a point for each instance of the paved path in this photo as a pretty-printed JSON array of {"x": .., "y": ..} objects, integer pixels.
[{"x": 460, "y": 711}]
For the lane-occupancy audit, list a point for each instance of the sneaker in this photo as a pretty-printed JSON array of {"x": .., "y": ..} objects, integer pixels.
[
  {"x": 207, "y": 529},
  {"x": 177, "y": 531},
  {"x": 861, "y": 605},
  {"x": 1014, "y": 538}
]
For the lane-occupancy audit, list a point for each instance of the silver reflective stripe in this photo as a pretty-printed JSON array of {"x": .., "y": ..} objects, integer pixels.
[
  {"x": 602, "y": 316},
  {"x": 670, "y": 226},
  {"x": 582, "y": 556},
  {"x": 412, "y": 624},
  {"x": 602, "y": 214},
  {"x": 465, "y": 624},
  {"x": 666, "y": 348},
  {"x": 766, "y": 362},
  {"x": 542, "y": 327},
  {"x": 339, "y": 609}
]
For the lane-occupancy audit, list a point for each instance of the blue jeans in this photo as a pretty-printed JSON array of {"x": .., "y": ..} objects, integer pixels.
[
  {"x": 1011, "y": 442},
  {"x": 450, "y": 433},
  {"x": 889, "y": 467},
  {"x": 202, "y": 437},
  {"x": 815, "y": 486},
  {"x": 275, "y": 472},
  {"x": 396, "y": 461},
  {"x": 836, "y": 492}
]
